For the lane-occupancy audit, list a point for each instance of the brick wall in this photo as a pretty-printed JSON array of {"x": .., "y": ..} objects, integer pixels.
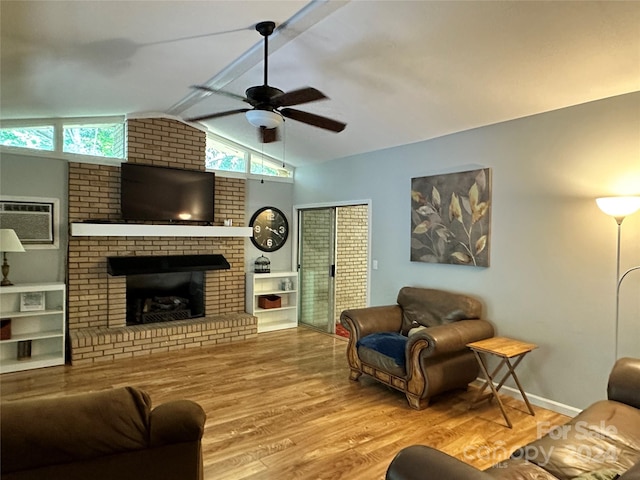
[
  {"x": 97, "y": 301},
  {"x": 352, "y": 224}
]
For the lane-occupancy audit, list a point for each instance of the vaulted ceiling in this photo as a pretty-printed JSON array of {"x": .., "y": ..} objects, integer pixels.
[{"x": 396, "y": 72}]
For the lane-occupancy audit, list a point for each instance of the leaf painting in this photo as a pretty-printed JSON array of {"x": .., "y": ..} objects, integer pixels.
[{"x": 451, "y": 218}]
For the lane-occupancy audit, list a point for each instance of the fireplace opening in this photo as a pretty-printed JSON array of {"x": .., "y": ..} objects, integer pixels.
[{"x": 164, "y": 297}]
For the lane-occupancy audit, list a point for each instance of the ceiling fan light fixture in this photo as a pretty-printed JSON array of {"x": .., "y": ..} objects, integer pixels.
[{"x": 264, "y": 118}]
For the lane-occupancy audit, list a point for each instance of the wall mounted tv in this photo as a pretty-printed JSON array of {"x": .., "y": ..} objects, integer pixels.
[{"x": 166, "y": 194}]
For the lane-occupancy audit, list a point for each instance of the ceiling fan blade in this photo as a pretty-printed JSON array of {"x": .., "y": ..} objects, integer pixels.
[
  {"x": 313, "y": 119},
  {"x": 204, "y": 88},
  {"x": 218, "y": 115},
  {"x": 297, "y": 97},
  {"x": 268, "y": 135}
]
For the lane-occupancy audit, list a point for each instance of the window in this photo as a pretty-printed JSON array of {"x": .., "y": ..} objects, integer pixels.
[
  {"x": 101, "y": 137},
  {"x": 220, "y": 156},
  {"x": 261, "y": 165},
  {"x": 98, "y": 140},
  {"x": 37, "y": 138},
  {"x": 224, "y": 156}
]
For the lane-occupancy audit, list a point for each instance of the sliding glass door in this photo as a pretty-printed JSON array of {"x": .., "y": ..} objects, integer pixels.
[{"x": 316, "y": 265}]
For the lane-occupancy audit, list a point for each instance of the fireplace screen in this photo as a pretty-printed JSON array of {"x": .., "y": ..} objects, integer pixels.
[{"x": 164, "y": 297}]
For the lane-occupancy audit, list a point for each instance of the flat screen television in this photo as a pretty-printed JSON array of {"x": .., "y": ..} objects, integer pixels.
[{"x": 166, "y": 194}]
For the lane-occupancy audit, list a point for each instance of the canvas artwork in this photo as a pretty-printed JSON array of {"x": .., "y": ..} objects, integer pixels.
[{"x": 451, "y": 218}]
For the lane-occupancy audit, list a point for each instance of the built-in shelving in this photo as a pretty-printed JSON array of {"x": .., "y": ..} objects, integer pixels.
[
  {"x": 44, "y": 329},
  {"x": 269, "y": 319},
  {"x": 87, "y": 229}
]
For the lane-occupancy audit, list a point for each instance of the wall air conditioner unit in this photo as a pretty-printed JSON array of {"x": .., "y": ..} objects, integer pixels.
[{"x": 32, "y": 221}]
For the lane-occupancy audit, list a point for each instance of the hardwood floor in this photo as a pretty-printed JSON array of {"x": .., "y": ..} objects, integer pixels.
[{"x": 282, "y": 407}]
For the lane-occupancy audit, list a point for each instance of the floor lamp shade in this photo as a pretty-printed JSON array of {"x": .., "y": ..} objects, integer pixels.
[
  {"x": 619, "y": 207},
  {"x": 9, "y": 242}
]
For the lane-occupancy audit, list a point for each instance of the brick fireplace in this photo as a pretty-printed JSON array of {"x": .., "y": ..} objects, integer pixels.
[{"x": 97, "y": 300}]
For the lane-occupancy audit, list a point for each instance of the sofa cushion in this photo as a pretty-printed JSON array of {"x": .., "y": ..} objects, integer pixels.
[
  {"x": 518, "y": 469},
  {"x": 605, "y": 474},
  {"x": 389, "y": 344},
  {"x": 605, "y": 435},
  {"x": 104, "y": 423},
  {"x": 430, "y": 307}
]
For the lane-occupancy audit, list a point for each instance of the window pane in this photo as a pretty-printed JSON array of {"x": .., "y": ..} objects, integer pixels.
[
  {"x": 97, "y": 140},
  {"x": 223, "y": 157},
  {"x": 38, "y": 138},
  {"x": 267, "y": 166}
]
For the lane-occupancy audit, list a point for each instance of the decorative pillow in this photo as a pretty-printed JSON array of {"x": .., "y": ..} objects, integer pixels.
[
  {"x": 606, "y": 474},
  {"x": 430, "y": 307},
  {"x": 391, "y": 344}
]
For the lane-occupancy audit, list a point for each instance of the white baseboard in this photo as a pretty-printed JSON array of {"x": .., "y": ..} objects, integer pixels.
[{"x": 534, "y": 399}]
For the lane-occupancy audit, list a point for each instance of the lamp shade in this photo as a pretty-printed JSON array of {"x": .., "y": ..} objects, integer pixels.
[
  {"x": 619, "y": 207},
  {"x": 263, "y": 118},
  {"x": 9, "y": 241}
]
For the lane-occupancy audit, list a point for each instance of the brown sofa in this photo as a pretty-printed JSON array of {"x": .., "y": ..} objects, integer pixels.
[
  {"x": 601, "y": 442},
  {"x": 417, "y": 346},
  {"x": 112, "y": 434}
]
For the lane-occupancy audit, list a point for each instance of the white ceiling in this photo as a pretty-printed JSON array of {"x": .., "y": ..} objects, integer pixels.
[{"x": 396, "y": 72}]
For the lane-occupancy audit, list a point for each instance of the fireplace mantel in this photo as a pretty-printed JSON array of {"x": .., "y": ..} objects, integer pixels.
[{"x": 136, "y": 230}]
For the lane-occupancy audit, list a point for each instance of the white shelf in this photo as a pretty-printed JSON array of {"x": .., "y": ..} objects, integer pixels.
[
  {"x": 37, "y": 361},
  {"x": 264, "y": 310},
  {"x": 33, "y": 336},
  {"x": 133, "y": 230},
  {"x": 270, "y": 319},
  {"x": 45, "y": 329},
  {"x": 33, "y": 313}
]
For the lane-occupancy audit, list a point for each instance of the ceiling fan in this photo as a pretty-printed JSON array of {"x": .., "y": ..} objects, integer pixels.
[{"x": 270, "y": 104}]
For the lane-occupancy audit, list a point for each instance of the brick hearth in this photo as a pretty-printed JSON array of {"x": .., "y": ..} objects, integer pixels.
[{"x": 96, "y": 305}]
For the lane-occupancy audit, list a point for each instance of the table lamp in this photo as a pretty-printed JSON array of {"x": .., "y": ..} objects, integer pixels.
[
  {"x": 619, "y": 208},
  {"x": 9, "y": 242}
]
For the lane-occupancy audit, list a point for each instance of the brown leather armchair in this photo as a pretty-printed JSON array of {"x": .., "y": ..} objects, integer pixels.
[{"x": 417, "y": 346}]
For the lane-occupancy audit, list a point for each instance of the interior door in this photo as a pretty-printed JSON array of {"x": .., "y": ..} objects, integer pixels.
[{"x": 316, "y": 268}]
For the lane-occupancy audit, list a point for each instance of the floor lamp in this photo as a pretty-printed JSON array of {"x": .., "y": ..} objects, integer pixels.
[{"x": 619, "y": 208}]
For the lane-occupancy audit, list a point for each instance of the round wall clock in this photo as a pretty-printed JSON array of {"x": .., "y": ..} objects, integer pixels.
[{"x": 270, "y": 229}]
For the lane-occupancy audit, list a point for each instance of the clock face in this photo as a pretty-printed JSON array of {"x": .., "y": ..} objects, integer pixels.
[{"x": 270, "y": 229}]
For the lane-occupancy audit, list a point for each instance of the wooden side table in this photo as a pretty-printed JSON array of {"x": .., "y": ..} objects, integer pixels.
[{"x": 507, "y": 349}]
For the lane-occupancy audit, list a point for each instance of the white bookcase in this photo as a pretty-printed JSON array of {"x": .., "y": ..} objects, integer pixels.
[
  {"x": 286, "y": 316},
  {"x": 37, "y": 325}
]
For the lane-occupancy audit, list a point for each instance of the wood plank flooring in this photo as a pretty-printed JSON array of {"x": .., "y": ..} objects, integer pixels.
[{"x": 282, "y": 407}]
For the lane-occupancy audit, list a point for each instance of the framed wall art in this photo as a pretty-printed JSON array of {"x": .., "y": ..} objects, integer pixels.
[{"x": 451, "y": 218}]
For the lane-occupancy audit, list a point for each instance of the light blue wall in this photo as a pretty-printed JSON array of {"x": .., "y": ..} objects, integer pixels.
[
  {"x": 27, "y": 176},
  {"x": 552, "y": 274}
]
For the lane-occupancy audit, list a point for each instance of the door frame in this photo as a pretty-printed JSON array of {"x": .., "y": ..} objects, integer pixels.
[{"x": 347, "y": 203}]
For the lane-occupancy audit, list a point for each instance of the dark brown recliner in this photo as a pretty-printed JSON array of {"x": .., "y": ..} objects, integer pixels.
[
  {"x": 419, "y": 345},
  {"x": 112, "y": 434}
]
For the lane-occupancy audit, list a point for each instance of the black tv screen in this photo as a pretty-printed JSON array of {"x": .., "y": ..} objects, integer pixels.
[{"x": 166, "y": 194}]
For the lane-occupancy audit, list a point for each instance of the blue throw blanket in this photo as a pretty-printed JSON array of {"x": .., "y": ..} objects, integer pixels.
[{"x": 391, "y": 344}]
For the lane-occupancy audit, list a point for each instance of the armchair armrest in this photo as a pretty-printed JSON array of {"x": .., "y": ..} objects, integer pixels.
[
  {"x": 176, "y": 422},
  {"x": 364, "y": 321},
  {"x": 419, "y": 462},
  {"x": 624, "y": 382},
  {"x": 451, "y": 337}
]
